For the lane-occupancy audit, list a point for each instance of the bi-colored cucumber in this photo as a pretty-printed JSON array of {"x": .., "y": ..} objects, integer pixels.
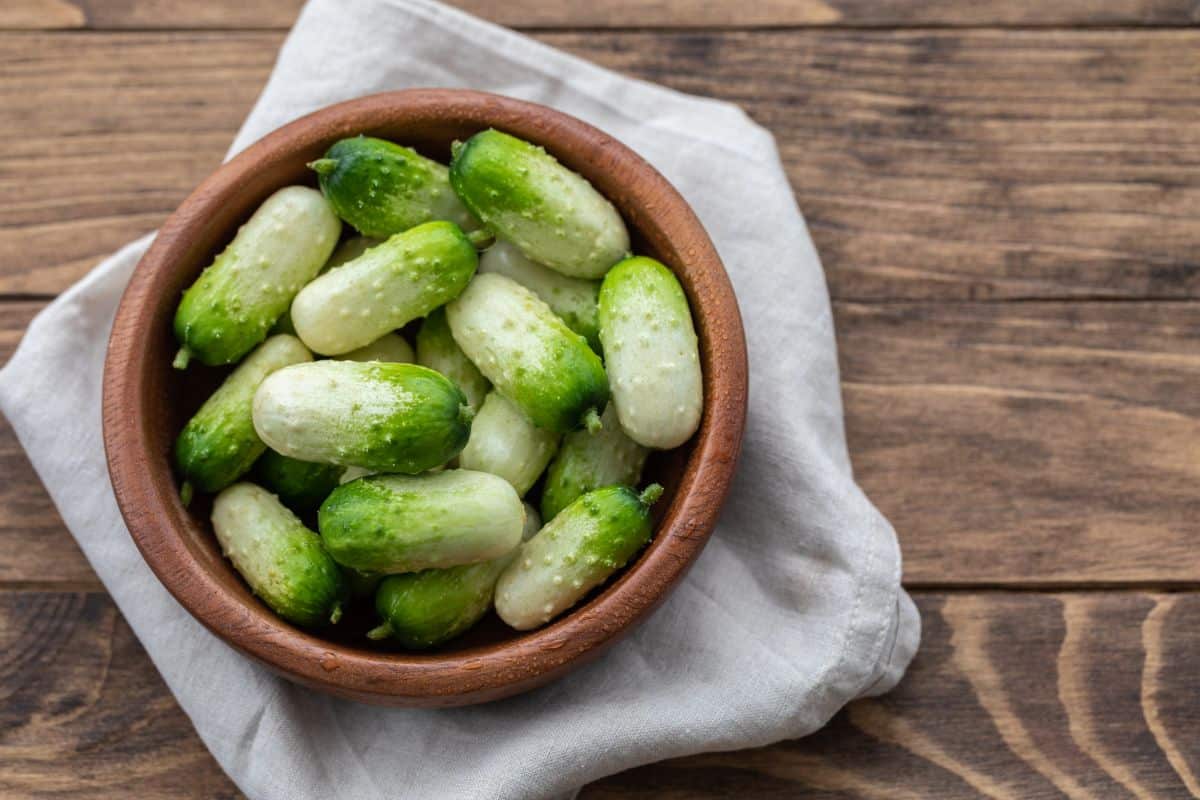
[
  {"x": 348, "y": 250},
  {"x": 377, "y": 415},
  {"x": 390, "y": 347},
  {"x": 381, "y": 188},
  {"x": 573, "y": 299},
  {"x": 300, "y": 485},
  {"x": 553, "y": 215},
  {"x": 233, "y": 304},
  {"x": 651, "y": 353},
  {"x": 284, "y": 562},
  {"x": 504, "y": 442},
  {"x": 219, "y": 444},
  {"x": 437, "y": 350},
  {"x": 576, "y": 551},
  {"x": 588, "y": 461},
  {"x": 405, "y": 523},
  {"x": 529, "y": 354},
  {"x": 424, "y": 609},
  {"x": 406, "y": 277}
]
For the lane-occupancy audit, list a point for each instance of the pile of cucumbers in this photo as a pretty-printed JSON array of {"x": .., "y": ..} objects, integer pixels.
[{"x": 553, "y": 357}]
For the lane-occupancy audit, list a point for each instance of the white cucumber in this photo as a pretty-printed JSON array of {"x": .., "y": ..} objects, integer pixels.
[{"x": 504, "y": 442}]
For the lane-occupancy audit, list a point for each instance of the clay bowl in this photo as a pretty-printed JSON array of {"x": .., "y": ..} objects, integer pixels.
[{"x": 146, "y": 403}]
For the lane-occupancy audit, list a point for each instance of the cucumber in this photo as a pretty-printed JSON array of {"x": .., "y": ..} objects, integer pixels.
[
  {"x": 377, "y": 415},
  {"x": 284, "y": 562},
  {"x": 349, "y": 250},
  {"x": 381, "y": 188},
  {"x": 405, "y": 523},
  {"x": 406, "y": 277},
  {"x": 219, "y": 444},
  {"x": 236, "y": 300},
  {"x": 651, "y": 353},
  {"x": 588, "y": 461},
  {"x": 437, "y": 350},
  {"x": 504, "y": 442},
  {"x": 550, "y": 213},
  {"x": 529, "y": 354},
  {"x": 300, "y": 485},
  {"x": 390, "y": 347},
  {"x": 424, "y": 609},
  {"x": 573, "y": 299},
  {"x": 578, "y": 550}
]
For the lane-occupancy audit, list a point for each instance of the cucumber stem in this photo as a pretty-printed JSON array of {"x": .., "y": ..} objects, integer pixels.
[
  {"x": 185, "y": 493},
  {"x": 481, "y": 238},
  {"x": 650, "y": 494},
  {"x": 591, "y": 421},
  {"x": 182, "y": 358},
  {"x": 456, "y": 146},
  {"x": 335, "y": 616},
  {"x": 323, "y": 166},
  {"x": 466, "y": 414},
  {"x": 380, "y": 632}
]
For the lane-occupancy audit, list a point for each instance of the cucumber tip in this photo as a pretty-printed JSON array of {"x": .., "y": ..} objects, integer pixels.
[
  {"x": 182, "y": 357},
  {"x": 380, "y": 632},
  {"x": 591, "y": 421},
  {"x": 650, "y": 494},
  {"x": 323, "y": 166},
  {"x": 185, "y": 493},
  {"x": 335, "y": 616}
]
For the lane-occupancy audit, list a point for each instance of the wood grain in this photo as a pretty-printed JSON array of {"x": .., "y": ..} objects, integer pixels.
[
  {"x": 931, "y": 165},
  {"x": 1028, "y": 444},
  {"x": 124, "y": 14},
  {"x": 1011, "y": 696}
]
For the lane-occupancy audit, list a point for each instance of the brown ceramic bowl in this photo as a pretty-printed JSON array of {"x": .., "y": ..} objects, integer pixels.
[{"x": 146, "y": 403}]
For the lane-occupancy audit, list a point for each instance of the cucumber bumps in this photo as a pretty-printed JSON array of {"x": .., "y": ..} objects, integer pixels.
[
  {"x": 382, "y": 189},
  {"x": 390, "y": 284},
  {"x": 576, "y": 551},
  {"x": 403, "y": 523},
  {"x": 250, "y": 285},
  {"x": 219, "y": 444},
  {"x": 529, "y": 354},
  {"x": 550, "y": 213},
  {"x": 651, "y": 353},
  {"x": 573, "y": 299},
  {"x": 284, "y": 562},
  {"x": 376, "y": 415}
]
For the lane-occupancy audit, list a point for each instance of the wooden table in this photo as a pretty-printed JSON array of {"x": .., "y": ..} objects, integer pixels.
[{"x": 1006, "y": 196}]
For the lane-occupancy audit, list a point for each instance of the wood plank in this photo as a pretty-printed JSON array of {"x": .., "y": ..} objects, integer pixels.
[
  {"x": 1011, "y": 696},
  {"x": 1031, "y": 444},
  {"x": 531, "y": 14},
  {"x": 933, "y": 164}
]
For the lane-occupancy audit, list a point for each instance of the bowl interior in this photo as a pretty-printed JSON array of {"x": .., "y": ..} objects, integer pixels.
[{"x": 147, "y": 403}]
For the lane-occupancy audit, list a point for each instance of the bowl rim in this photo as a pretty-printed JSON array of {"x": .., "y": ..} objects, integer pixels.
[{"x": 152, "y": 511}]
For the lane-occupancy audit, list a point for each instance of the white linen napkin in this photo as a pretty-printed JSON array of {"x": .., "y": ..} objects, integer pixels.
[{"x": 795, "y": 607}]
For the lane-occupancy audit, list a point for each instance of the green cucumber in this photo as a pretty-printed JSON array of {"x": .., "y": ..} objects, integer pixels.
[
  {"x": 284, "y": 562},
  {"x": 300, "y": 485},
  {"x": 376, "y": 415},
  {"x": 437, "y": 350},
  {"x": 553, "y": 215},
  {"x": 651, "y": 353},
  {"x": 504, "y": 442},
  {"x": 402, "y": 279},
  {"x": 382, "y": 189},
  {"x": 588, "y": 461},
  {"x": 578, "y": 550},
  {"x": 390, "y": 347},
  {"x": 529, "y": 354},
  {"x": 573, "y": 299},
  {"x": 405, "y": 523},
  {"x": 219, "y": 444},
  {"x": 424, "y": 609},
  {"x": 235, "y": 301}
]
